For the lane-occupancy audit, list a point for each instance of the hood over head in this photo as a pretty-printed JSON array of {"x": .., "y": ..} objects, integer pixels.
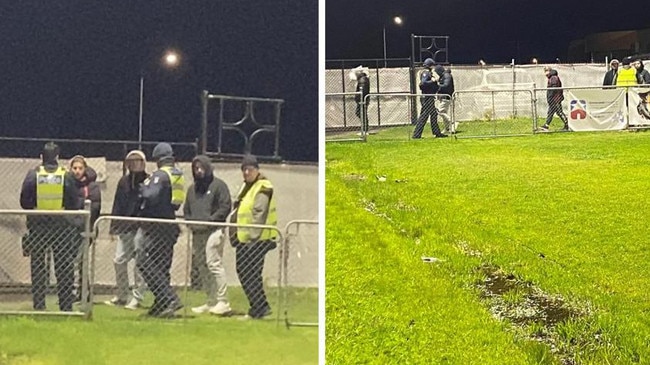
[{"x": 205, "y": 163}]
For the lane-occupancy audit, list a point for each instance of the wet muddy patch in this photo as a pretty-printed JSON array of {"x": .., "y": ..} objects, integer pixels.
[{"x": 531, "y": 311}]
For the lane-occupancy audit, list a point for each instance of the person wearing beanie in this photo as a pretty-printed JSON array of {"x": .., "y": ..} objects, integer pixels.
[
  {"x": 50, "y": 187},
  {"x": 429, "y": 87},
  {"x": 255, "y": 205},
  {"x": 208, "y": 200},
  {"x": 160, "y": 196},
  {"x": 88, "y": 189},
  {"x": 128, "y": 247}
]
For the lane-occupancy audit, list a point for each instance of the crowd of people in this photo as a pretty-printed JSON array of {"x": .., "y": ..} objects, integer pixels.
[
  {"x": 437, "y": 86},
  {"x": 157, "y": 195}
]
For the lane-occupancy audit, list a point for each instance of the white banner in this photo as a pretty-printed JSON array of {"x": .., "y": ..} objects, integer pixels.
[
  {"x": 596, "y": 109},
  {"x": 634, "y": 100}
]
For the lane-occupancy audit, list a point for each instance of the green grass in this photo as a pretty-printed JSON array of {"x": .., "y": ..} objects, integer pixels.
[
  {"x": 116, "y": 335},
  {"x": 566, "y": 212}
]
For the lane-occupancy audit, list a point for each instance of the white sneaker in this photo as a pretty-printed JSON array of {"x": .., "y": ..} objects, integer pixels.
[
  {"x": 115, "y": 302},
  {"x": 202, "y": 309},
  {"x": 133, "y": 304},
  {"x": 221, "y": 309}
]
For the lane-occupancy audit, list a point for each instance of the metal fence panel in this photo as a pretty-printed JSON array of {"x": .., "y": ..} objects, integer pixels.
[
  {"x": 300, "y": 273},
  {"x": 44, "y": 262},
  {"x": 341, "y": 120},
  {"x": 487, "y": 113}
]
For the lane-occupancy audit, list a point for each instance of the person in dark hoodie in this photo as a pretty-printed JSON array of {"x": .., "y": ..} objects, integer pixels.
[
  {"x": 161, "y": 195},
  {"x": 51, "y": 187},
  {"x": 445, "y": 91},
  {"x": 642, "y": 78},
  {"x": 208, "y": 199},
  {"x": 554, "y": 98},
  {"x": 129, "y": 237},
  {"x": 363, "y": 87},
  {"x": 255, "y": 204},
  {"x": 428, "y": 86},
  {"x": 88, "y": 189}
]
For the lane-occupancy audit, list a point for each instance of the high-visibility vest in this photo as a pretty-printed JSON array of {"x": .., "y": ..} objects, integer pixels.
[
  {"x": 177, "y": 181},
  {"x": 626, "y": 77},
  {"x": 49, "y": 189},
  {"x": 245, "y": 214}
]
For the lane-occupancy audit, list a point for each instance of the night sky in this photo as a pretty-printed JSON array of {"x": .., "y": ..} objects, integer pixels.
[
  {"x": 496, "y": 31},
  {"x": 71, "y": 69}
]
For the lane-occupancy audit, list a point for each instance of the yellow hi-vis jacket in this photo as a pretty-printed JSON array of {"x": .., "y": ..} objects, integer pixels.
[
  {"x": 245, "y": 214},
  {"x": 626, "y": 77},
  {"x": 177, "y": 181},
  {"x": 49, "y": 189}
]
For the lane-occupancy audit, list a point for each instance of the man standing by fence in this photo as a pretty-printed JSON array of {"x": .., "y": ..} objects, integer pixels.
[
  {"x": 428, "y": 86},
  {"x": 360, "y": 74},
  {"x": 208, "y": 199},
  {"x": 445, "y": 91},
  {"x": 554, "y": 98},
  {"x": 51, "y": 187},
  {"x": 255, "y": 204},
  {"x": 162, "y": 194},
  {"x": 129, "y": 237}
]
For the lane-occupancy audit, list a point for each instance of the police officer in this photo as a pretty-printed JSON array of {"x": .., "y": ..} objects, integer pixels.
[
  {"x": 428, "y": 86},
  {"x": 161, "y": 195},
  {"x": 51, "y": 187},
  {"x": 255, "y": 204}
]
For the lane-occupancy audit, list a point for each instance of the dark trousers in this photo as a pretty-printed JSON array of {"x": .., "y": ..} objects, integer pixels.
[
  {"x": 362, "y": 108},
  {"x": 429, "y": 111},
  {"x": 64, "y": 250},
  {"x": 249, "y": 260},
  {"x": 155, "y": 267},
  {"x": 555, "y": 108}
]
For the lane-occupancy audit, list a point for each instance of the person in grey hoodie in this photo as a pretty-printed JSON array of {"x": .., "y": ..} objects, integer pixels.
[{"x": 208, "y": 199}]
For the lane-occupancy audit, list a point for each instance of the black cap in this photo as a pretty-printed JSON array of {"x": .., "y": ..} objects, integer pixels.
[{"x": 249, "y": 161}]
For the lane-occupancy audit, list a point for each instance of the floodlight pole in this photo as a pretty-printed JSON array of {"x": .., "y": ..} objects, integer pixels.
[{"x": 140, "y": 117}]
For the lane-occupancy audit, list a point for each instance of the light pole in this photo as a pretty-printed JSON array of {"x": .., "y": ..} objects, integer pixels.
[
  {"x": 170, "y": 59},
  {"x": 397, "y": 21}
]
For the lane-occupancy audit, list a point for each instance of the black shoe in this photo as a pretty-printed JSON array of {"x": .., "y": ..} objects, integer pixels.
[
  {"x": 171, "y": 309},
  {"x": 441, "y": 135}
]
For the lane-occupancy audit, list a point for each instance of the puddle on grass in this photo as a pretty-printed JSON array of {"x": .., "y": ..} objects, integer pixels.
[
  {"x": 521, "y": 302},
  {"x": 527, "y": 306}
]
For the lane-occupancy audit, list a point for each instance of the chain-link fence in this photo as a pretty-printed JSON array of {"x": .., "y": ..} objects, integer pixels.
[
  {"x": 488, "y": 113},
  {"x": 43, "y": 266},
  {"x": 236, "y": 278},
  {"x": 107, "y": 149},
  {"x": 344, "y": 117},
  {"x": 299, "y": 274}
]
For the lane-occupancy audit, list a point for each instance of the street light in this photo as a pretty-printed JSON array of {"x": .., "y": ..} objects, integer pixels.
[
  {"x": 170, "y": 59},
  {"x": 397, "y": 21}
]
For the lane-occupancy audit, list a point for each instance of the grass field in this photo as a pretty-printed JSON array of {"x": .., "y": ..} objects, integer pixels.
[
  {"x": 525, "y": 250},
  {"x": 119, "y": 336}
]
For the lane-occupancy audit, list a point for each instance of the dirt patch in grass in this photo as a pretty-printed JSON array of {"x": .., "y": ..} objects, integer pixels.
[{"x": 530, "y": 309}]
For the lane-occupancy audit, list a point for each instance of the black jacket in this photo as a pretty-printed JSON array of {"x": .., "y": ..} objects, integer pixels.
[
  {"x": 428, "y": 83},
  {"x": 554, "y": 96},
  {"x": 363, "y": 86},
  {"x": 208, "y": 199},
  {"x": 87, "y": 188},
  {"x": 642, "y": 75},
  {"x": 446, "y": 82},
  {"x": 610, "y": 77},
  {"x": 127, "y": 201},
  {"x": 71, "y": 200}
]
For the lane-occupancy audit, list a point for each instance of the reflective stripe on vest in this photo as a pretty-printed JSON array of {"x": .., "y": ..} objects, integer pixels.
[
  {"x": 245, "y": 214},
  {"x": 49, "y": 189},
  {"x": 177, "y": 181}
]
